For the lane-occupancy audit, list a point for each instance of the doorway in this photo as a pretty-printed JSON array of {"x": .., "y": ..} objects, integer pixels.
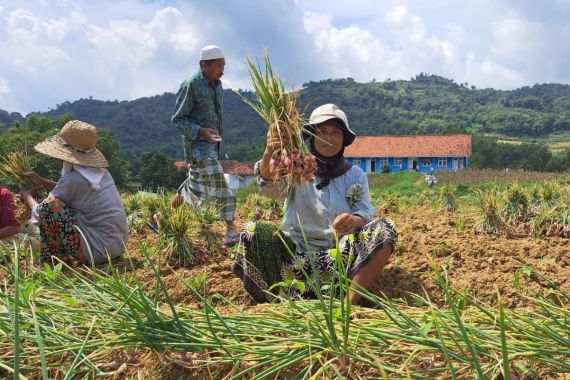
[{"x": 413, "y": 163}]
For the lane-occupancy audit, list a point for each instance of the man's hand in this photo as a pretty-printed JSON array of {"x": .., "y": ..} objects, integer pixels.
[
  {"x": 210, "y": 134},
  {"x": 347, "y": 223}
]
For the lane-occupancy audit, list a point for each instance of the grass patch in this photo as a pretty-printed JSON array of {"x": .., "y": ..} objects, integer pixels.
[
  {"x": 403, "y": 183},
  {"x": 243, "y": 193}
]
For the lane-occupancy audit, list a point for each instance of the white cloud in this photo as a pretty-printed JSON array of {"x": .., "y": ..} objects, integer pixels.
[
  {"x": 488, "y": 73},
  {"x": 516, "y": 37},
  {"x": 32, "y": 43},
  {"x": 410, "y": 49},
  {"x": 4, "y": 87},
  {"x": 349, "y": 51},
  {"x": 539, "y": 49},
  {"x": 70, "y": 57},
  {"x": 64, "y": 50},
  {"x": 396, "y": 14}
]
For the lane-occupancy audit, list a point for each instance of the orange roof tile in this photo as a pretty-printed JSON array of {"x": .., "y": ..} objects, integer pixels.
[
  {"x": 181, "y": 164},
  {"x": 237, "y": 168},
  {"x": 410, "y": 146},
  {"x": 245, "y": 169}
]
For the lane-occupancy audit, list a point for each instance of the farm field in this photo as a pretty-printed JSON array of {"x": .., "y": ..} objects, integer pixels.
[
  {"x": 479, "y": 286},
  {"x": 556, "y": 142}
]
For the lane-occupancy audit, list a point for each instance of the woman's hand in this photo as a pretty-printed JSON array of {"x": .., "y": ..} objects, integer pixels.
[
  {"x": 44, "y": 183},
  {"x": 28, "y": 198},
  {"x": 25, "y": 193},
  {"x": 268, "y": 171},
  {"x": 35, "y": 177},
  {"x": 347, "y": 223}
]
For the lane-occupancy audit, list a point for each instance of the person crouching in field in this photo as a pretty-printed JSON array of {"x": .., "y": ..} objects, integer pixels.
[
  {"x": 336, "y": 203},
  {"x": 83, "y": 218},
  {"x": 9, "y": 226}
]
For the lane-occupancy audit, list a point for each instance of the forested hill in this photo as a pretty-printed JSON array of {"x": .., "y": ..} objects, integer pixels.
[
  {"x": 425, "y": 104},
  {"x": 432, "y": 104},
  {"x": 144, "y": 124},
  {"x": 7, "y": 118}
]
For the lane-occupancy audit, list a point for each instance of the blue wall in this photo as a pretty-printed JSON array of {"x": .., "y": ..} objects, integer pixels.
[{"x": 424, "y": 168}]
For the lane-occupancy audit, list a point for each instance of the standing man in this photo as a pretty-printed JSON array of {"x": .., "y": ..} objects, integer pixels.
[{"x": 198, "y": 117}]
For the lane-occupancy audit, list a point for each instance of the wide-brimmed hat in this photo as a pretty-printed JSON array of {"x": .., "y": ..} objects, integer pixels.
[
  {"x": 75, "y": 143},
  {"x": 328, "y": 112}
]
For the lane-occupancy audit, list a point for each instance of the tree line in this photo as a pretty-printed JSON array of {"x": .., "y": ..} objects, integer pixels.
[
  {"x": 155, "y": 170},
  {"x": 141, "y": 143},
  {"x": 425, "y": 104}
]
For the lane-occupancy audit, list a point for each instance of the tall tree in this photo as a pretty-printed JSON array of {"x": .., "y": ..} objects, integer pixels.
[{"x": 157, "y": 171}]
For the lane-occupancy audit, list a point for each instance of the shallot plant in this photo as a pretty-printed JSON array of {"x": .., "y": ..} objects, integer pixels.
[{"x": 291, "y": 158}]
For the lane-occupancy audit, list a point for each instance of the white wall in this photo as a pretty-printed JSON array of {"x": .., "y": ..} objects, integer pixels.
[{"x": 239, "y": 181}]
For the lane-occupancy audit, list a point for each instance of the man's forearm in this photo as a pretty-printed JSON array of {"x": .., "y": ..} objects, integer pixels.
[{"x": 188, "y": 129}]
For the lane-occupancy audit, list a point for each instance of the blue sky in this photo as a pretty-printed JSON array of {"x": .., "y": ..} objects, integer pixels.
[{"x": 59, "y": 50}]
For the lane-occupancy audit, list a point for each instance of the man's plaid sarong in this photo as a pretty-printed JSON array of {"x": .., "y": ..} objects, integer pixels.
[{"x": 206, "y": 183}]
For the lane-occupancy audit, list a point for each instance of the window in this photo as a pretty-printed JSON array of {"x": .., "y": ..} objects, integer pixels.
[
  {"x": 383, "y": 161},
  {"x": 356, "y": 161},
  {"x": 426, "y": 161},
  {"x": 442, "y": 161},
  {"x": 398, "y": 162}
]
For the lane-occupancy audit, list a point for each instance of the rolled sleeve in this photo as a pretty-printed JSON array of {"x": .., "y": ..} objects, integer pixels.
[
  {"x": 271, "y": 189},
  {"x": 35, "y": 215}
]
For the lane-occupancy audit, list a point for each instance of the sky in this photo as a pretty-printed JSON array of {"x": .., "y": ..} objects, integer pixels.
[{"x": 52, "y": 51}]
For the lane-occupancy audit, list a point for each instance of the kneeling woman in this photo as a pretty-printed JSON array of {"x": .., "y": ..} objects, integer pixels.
[
  {"x": 336, "y": 203},
  {"x": 82, "y": 219}
]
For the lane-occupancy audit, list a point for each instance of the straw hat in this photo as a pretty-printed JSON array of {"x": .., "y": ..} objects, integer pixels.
[{"x": 75, "y": 143}]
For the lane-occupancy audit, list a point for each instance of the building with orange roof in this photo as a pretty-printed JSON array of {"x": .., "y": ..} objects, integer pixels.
[
  {"x": 410, "y": 152},
  {"x": 238, "y": 174}
]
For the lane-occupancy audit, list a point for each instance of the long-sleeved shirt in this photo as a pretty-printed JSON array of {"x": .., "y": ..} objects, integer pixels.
[
  {"x": 198, "y": 104},
  {"x": 309, "y": 212}
]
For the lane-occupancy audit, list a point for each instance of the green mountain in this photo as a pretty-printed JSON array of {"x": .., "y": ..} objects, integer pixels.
[
  {"x": 432, "y": 104},
  {"x": 424, "y": 104},
  {"x": 7, "y": 118},
  {"x": 144, "y": 124}
]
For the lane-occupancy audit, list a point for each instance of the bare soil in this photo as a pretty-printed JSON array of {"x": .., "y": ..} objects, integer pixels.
[{"x": 481, "y": 264}]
